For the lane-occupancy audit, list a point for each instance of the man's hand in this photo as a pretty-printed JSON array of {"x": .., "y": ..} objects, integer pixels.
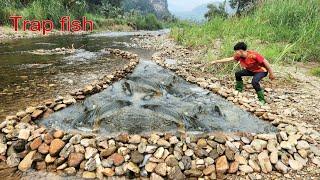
[{"x": 272, "y": 76}]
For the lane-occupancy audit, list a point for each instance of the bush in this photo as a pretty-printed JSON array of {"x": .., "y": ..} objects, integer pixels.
[{"x": 148, "y": 22}]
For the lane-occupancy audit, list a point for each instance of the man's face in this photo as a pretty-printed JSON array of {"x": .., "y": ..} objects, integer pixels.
[{"x": 241, "y": 53}]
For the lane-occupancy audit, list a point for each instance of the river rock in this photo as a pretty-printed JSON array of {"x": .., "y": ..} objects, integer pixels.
[
  {"x": 240, "y": 159},
  {"x": 155, "y": 176},
  {"x": 220, "y": 138},
  {"x": 88, "y": 142},
  {"x": 88, "y": 175},
  {"x": 173, "y": 140},
  {"x": 117, "y": 159},
  {"x": 188, "y": 152},
  {"x": 171, "y": 161},
  {"x": 259, "y": 144},
  {"x": 245, "y": 140},
  {"x": 302, "y": 145},
  {"x": 133, "y": 167},
  {"x": 142, "y": 147},
  {"x": 234, "y": 166},
  {"x": 58, "y": 134},
  {"x": 36, "y": 143},
  {"x": 161, "y": 169},
  {"x": 264, "y": 162},
  {"x": 13, "y": 160},
  {"x": 90, "y": 165},
  {"x": 24, "y": 134},
  {"x": 107, "y": 152},
  {"x": 135, "y": 139},
  {"x": 90, "y": 152},
  {"x": 153, "y": 138},
  {"x": 43, "y": 148},
  {"x": 108, "y": 172},
  {"x": 36, "y": 114},
  {"x": 283, "y": 136},
  {"x": 295, "y": 165},
  {"x": 56, "y": 146},
  {"x": 274, "y": 157},
  {"x": 186, "y": 160},
  {"x": 3, "y": 148},
  {"x": 75, "y": 159},
  {"x": 71, "y": 171},
  {"x": 164, "y": 143},
  {"x": 266, "y": 137},
  {"x": 49, "y": 159},
  {"x": 245, "y": 168},
  {"x": 255, "y": 166},
  {"x": 137, "y": 157},
  {"x": 150, "y": 166},
  {"x": 27, "y": 161},
  {"x": 281, "y": 167},
  {"x": 193, "y": 173},
  {"x": 48, "y": 138},
  {"x": 159, "y": 153},
  {"x": 286, "y": 145},
  {"x": 151, "y": 149},
  {"x": 315, "y": 149},
  {"x": 67, "y": 149},
  {"x": 222, "y": 165},
  {"x": 176, "y": 173},
  {"x": 76, "y": 139}
]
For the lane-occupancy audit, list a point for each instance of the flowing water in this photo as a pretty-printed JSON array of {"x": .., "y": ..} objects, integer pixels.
[
  {"x": 27, "y": 79},
  {"x": 154, "y": 99}
]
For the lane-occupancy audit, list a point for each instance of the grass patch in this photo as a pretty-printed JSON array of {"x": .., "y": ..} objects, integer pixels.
[
  {"x": 286, "y": 30},
  {"x": 315, "y": 71}
]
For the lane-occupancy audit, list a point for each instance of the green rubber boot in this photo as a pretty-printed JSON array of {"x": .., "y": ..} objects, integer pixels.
[
  {"x": 239, "y": 86},
  {"x": 261, "y": 96}
]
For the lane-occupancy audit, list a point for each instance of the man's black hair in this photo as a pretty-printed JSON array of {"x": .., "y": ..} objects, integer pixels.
[{"x": 240, "y": 46}]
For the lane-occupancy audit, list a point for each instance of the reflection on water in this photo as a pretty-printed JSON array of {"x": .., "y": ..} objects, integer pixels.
[
  {"x": 154, "y": 99},
  {"x": 27, "y": 79}
]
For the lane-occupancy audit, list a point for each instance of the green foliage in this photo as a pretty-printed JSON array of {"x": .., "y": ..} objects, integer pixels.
[
  {"x": 110, "y": 9},
  {"x": 214, "y": 11},
  {"x": 148, "y": 22},
  {"x": 280, "y": 30},
  {"x": 315, "y": 71},
  {"x": 242, "y": 5}
]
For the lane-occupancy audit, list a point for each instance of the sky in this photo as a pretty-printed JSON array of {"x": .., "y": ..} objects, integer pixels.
[{"x": 187, "y": 5}]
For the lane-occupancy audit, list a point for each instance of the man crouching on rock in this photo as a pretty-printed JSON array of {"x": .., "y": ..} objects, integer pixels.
[{"x": 253, "y": 64}]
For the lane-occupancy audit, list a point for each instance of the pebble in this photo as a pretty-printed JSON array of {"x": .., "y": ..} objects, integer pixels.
[
  {"x": 133, "y": 167},
  {"x": 24, "y": 134},
  {"x": 295, "y": 165},
  {"x": 159, "y": 153},
  {"x": 245, "y": 168},
  {"x": 222, "y": 165},
  {"x": 234, "y": 166},
  {"x": 56, "y": 146},
  {"x": 27, "y": 161},
  {"x": 264, "y": 162},
  {"x": 161, "y": 169},
  {"x": 302, "y": 145}
]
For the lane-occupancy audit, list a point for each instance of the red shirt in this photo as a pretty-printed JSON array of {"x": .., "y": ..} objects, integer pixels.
[{"x": 253, "y": 62}]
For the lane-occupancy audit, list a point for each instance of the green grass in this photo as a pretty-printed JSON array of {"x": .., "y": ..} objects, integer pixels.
[
  {"x": 286, "y": 30},
  {"x": 315, "y": 71}
]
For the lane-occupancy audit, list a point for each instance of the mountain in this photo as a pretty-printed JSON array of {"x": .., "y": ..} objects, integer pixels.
[
  {"x": 158, "y": 7},
  {"x": 197, "y": 13}
]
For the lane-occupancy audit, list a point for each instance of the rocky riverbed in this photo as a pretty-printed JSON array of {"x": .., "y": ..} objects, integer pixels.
[{"x": 292, "y": 152}]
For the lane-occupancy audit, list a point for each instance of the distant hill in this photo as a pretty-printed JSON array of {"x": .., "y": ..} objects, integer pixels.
[{"x": 196, "y": 14}]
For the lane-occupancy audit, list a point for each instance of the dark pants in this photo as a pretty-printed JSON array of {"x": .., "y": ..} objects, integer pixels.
[{"x": 255, "y": 80}]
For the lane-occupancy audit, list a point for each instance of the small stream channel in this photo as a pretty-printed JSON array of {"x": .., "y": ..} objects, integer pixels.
[{"x": 27, "y": 79}]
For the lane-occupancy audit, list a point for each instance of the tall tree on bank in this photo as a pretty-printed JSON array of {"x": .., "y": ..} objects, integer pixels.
[
  {"x": 241, "y": 5},
  {"x": 214, "y": 11}
]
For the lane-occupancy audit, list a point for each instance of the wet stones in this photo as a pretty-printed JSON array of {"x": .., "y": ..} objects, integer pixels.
[{"x": 56, "y": 146}]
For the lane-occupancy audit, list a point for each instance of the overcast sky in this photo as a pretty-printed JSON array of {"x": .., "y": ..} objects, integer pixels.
[{"x": 187, "y": 5}]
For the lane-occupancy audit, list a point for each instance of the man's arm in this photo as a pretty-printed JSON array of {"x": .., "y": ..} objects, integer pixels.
[
  {"x": 223, "y": 60},
  {"x": 268, "y": 67}
]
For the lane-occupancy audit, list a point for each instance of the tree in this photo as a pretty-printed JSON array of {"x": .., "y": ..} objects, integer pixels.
[
  {"x": 241, "y": 5},
  {"x": 215, "y": 10}
]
